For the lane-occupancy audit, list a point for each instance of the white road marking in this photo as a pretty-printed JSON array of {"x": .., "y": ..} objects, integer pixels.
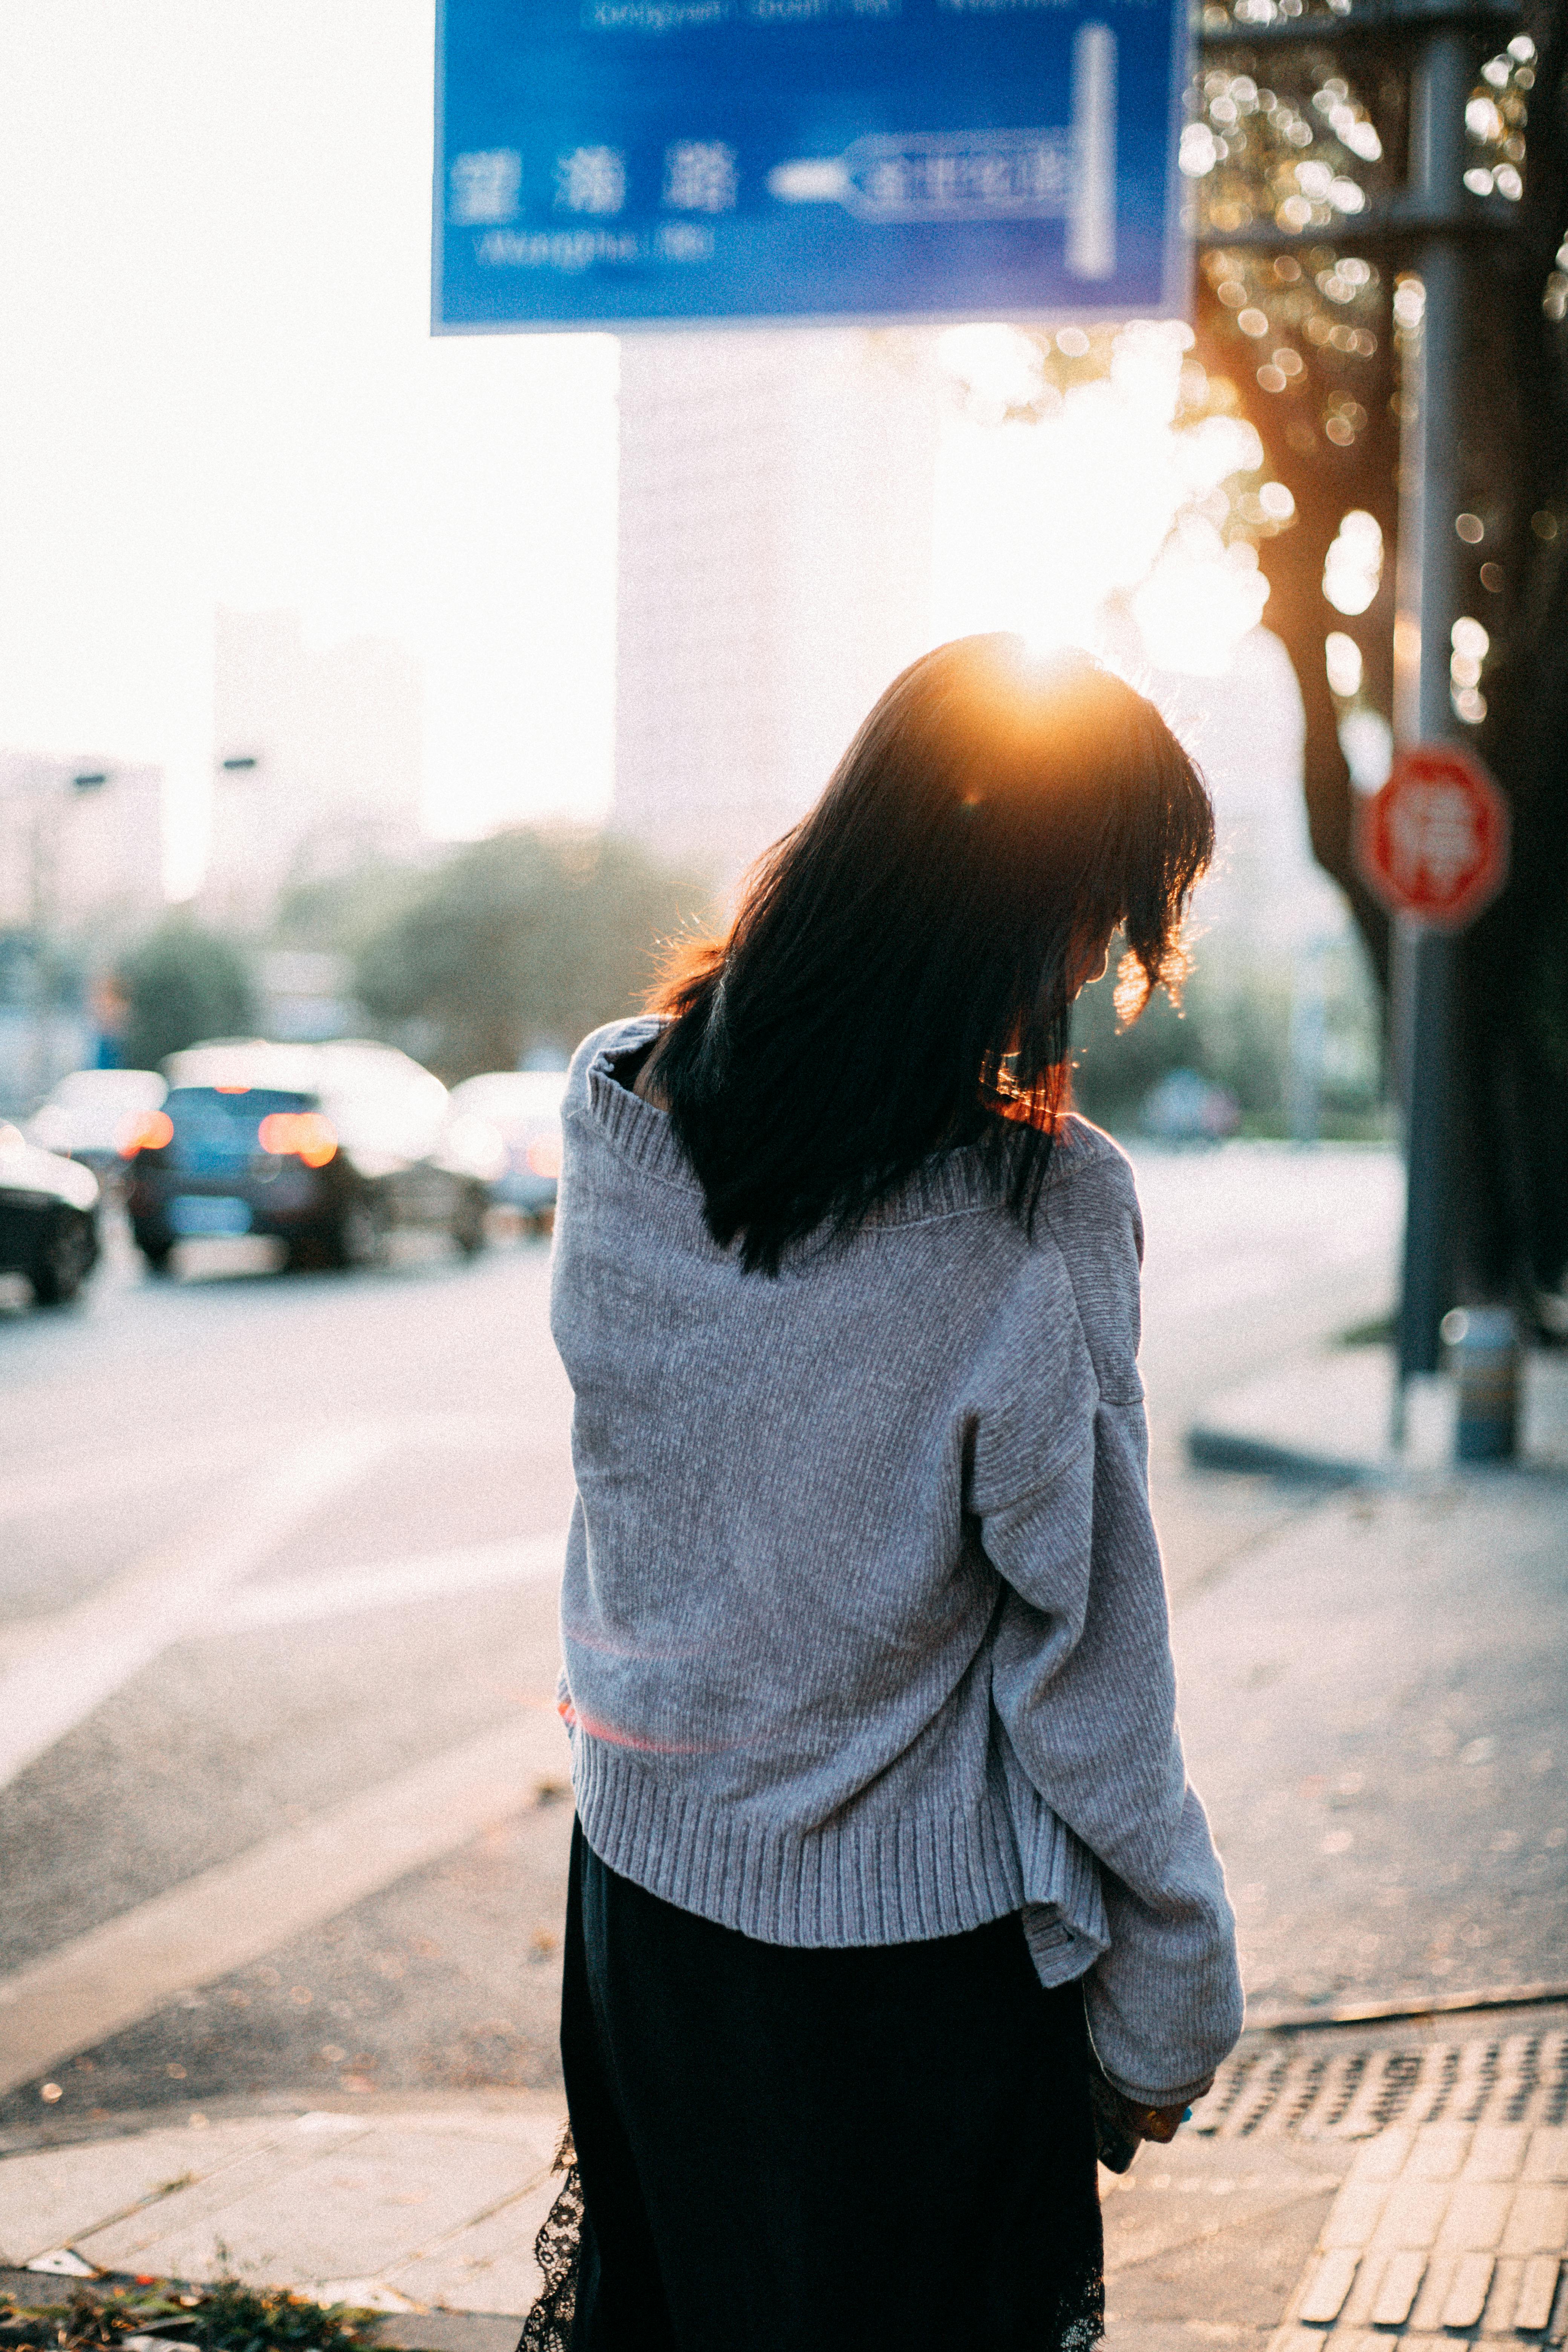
[
  {"x": 71, "y": 1480},
  {"x": 519, "y": 1559},
  {"x": 78, "y": 1657},
  {"x": 116, "y": 1974}
]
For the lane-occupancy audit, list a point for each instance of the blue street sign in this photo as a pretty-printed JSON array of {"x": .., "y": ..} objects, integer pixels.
[{"x": 611, "y": 162}]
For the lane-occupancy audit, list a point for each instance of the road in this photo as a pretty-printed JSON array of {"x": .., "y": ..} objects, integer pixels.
[{"x": 277, "y": 1648}]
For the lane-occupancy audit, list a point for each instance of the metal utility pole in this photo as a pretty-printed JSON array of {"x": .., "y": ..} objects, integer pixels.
[
  {"x": 41, "y": 801},
  {"x": 1429, "y": 226},
  {"x": 1424, "y": 959}
]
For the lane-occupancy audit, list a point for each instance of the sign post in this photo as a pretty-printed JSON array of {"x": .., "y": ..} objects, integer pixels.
[
  {"x": 1429, "y": 591},
  {"x": 1430, "y": 223},
  {"x": 1434, "y": 845},
  {"x": 625, "y": 162}
]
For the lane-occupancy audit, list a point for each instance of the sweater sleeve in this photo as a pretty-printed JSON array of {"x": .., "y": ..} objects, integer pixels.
[{"x": 1083, "y": 1680}]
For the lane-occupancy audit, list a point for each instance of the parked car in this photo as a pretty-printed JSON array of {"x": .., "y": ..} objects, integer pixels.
[
  {"x": 523, "y": 1109},
  {"x": 331, "y": 1149},
  {"x": 48, "y": 1218},
  {"x": 1185, "y": 1108},
  {"x": 89, "y": 1113}
]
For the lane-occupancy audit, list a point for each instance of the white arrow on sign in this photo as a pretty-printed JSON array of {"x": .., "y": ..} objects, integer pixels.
[{"x": 976, "y": 176}]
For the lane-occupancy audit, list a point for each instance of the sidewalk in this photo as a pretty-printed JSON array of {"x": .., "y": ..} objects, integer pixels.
[
  {"x": 1330, "y": 2175},
  {"x": 415, "y": 2208},
  {"x": 1375, "y": 1711}
]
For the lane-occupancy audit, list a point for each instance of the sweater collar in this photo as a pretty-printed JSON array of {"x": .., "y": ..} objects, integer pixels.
[
  {"x": 639, "y": 1128},
  {"x": 947, "y": 1185}
]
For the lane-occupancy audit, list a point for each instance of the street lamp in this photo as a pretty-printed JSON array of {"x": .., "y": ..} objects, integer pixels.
[{"x": 44, "y": 797}]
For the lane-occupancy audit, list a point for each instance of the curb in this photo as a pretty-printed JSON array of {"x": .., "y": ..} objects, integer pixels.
[
  {"x": 54, "y": 2130},
  {"x": 1223, "y": 1449},
  {"x": 1409, "y": 2010}
]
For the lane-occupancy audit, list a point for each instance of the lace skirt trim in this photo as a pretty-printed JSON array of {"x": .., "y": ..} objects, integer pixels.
[
  {"x": 556, "y": 2249},
  {"x": 1080, "y": 2318}
]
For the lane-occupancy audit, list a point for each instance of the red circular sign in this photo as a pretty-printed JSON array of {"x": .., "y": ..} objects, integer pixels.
[{"x": 1434, "y": 842}]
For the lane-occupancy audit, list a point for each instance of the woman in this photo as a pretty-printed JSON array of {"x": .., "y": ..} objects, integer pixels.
[{"x": 867, "y": 1670}]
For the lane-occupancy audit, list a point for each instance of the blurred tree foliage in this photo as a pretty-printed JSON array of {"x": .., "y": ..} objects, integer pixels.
[
  {"x": 1309, "y": 136},
  {"x": 1235, "y": 1029},
  {"x": 182, "y": 984},
  {"x": 1298, "y": 120},
  {"x": 33, "y": 969},
  {"x": 344, "y": 912},
  {"x": 522, "y": 943}
]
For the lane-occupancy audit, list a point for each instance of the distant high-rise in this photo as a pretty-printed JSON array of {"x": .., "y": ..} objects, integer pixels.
[
  {"x": 320, "y": 759},
  {"x": 775, "y": 572}
]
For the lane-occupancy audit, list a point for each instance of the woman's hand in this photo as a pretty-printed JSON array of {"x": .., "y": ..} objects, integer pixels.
[
  {"x": 1121, "y": 2123},
  {"x": 1155, "y": 2123}
]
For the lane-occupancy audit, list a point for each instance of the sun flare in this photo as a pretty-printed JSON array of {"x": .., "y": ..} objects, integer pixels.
[{"x": 1063, "y": 515}]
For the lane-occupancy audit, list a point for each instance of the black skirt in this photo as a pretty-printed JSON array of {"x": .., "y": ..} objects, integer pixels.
[{"x": 887, "y": 2149}]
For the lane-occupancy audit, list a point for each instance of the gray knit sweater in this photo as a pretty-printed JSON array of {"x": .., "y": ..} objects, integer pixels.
[{"x": 863, "y": 1621}]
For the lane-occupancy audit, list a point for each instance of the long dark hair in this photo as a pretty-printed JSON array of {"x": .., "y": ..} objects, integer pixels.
[{"x": 899, "y": 976}]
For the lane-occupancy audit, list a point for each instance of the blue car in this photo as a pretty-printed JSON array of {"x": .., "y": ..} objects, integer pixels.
[{"x": 329, "y": 1149}]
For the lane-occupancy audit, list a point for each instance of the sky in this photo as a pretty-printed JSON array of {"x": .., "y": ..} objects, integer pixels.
[{"x": 217, "y": 386}]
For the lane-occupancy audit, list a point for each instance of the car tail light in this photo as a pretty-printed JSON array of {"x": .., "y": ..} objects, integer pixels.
[
  {"x": 145, "y": 1131},
  {"x": 543, "y": 1156},
  {"x": 299, "y": 1135}
]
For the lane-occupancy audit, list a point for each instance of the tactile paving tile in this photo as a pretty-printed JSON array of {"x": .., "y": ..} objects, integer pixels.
[
  {"x": 1442, "y": 2232},
  {"x": 1318, "y": 2093}
]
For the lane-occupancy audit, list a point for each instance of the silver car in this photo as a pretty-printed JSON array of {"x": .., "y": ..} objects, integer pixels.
[
  {"x": 523, "y": 1109},
  {"x": 90, "y": 1115}
]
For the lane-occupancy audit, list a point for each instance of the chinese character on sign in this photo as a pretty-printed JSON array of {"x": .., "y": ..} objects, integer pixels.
[
  {"x": 591, "y": 180},
  {"x": 484, "y": 187},
  {"x": 1433, "y": 829},
  {"x": 699, "y": 177},
  {"x": 888, "y": 183},
  {"x": 685, "y": 241}
]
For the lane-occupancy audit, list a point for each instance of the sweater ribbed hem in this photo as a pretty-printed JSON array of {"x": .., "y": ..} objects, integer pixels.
[
  {"x": 1057, "y": 1869},
  {"x": 950, "y": 1184},
  {"x": 848, "y": 1884}
]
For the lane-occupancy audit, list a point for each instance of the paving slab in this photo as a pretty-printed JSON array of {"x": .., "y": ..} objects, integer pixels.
[
  {"x": 1205, "y": 2240},
  {"x": 198, "y": 2212},
  {"x": 55, "y": 2196},
  {"x": 488, "y": 2266},
  {"x": 360, "y": 2211},
  {"x": 436, "y": 2205}
]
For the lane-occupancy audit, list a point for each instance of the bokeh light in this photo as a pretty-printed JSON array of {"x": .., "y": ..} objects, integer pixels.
[{"x": 1353, "y": 570}]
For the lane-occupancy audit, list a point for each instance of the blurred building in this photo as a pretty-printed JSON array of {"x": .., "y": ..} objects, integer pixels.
[
  {"x": 320, "y": 761},
  {"x": 81, "y": 867},
  {"x": 776, "y": 504},
  {"x": 81, "y": 841}
]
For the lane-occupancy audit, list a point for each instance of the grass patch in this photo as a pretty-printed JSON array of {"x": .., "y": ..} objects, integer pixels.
[{"x": 226, "y": 2317}]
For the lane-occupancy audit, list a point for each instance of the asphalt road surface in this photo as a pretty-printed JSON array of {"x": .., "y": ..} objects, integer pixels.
[{"x": 277, "y": 1558}]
